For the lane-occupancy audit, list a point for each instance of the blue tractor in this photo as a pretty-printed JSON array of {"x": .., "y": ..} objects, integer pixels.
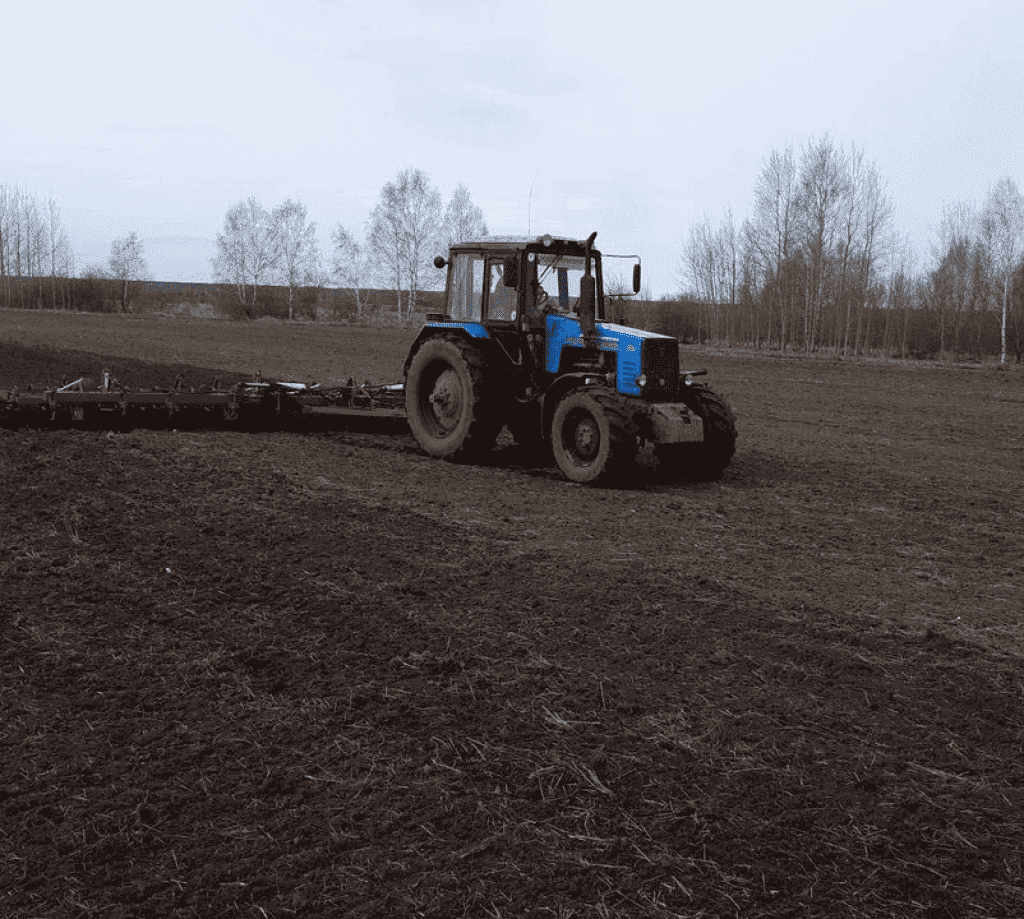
[{"x": 523, "y": 342}]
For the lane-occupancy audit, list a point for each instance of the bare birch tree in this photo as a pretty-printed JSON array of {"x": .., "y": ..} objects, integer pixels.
[
  {"x": 5, "y": 260},
  {"x": 823, "y": 186},
  {"x": 948, "y": 288},
  {"x": 386, "y": 239},
  {"x": 127, "y": 265},
  {"x": 877, "y": 238},
  {"x": 771, "y": 229},
  {"x": 296, "y": 250},
  {"x": 727, "y": 244},
  {"x": 1003, "y": 217},
  {"x": 246, "y": 253},
  {"x": 349, "y": 265},
  {"x": 710, "y": 272},
  {"x": 462, "y": 220},
  {"x": 404, "y": 230},
  {"x": 422, "y": 227},
  {"x": 61, "y": 258}
]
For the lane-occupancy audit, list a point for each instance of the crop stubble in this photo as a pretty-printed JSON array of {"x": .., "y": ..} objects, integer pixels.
[{"x": 324, "y": 675}]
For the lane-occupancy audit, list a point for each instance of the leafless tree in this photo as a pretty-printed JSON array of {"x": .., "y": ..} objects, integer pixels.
[
  {"x": 824, "y": 181},
  {"x": 700, "y": 272},
  {"x": 349, "y": 265},
  {"x": 62, "y": 259},
  {"x": 949, "y": 290},
  {"x": 422, "y": 226},
  {"x": 1003, "y": 220},
  {"x": 403, "y": 236},
  {"x": 902, "y": 281},
  {"x": 710, "y": 271},
  {"x": 5, "y": 211},
  {"x": 770, "y": 230},
  {"x": 617, "y": 294},
  {"x": 295, "y": 242},
  {"x": 852, "y": 228},
  {"x": 21, "y": 216},
  {"x": 37, "y": 238},
  {"x": 877, "y": 240},
  {"x": 247, "y": 252},
  {"x": 127, "y": 265},
  {"x": 33, "y": 248},
  {"x": 728, "y": 245},
  {"x": 386, "y": 238},
  {"x": 462, "y": 220}
]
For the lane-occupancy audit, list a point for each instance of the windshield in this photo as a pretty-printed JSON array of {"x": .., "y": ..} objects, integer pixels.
[{"x": 558, "y": 279}]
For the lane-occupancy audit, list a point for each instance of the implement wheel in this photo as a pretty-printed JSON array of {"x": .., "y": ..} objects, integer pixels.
[
  {"x": 591, "y": 437},
  {"x": 450, "y": 408},
  {"x": 706, "y": 461}
]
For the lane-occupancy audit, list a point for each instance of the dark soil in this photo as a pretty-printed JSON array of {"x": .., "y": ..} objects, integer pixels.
[{"x": 324, "y": 675}]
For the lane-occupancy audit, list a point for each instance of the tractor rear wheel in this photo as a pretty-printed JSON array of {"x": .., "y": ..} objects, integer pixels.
[
  {"x": 705, "y": 461},
  {"x": 591, "y": 437},
  {"x": 451, "y": 409}
]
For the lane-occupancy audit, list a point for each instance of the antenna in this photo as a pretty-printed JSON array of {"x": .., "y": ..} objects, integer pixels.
[{"x": 529, "y": 203}]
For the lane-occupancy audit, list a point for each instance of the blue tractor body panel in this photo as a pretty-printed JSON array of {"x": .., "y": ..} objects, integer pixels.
[
  {"x": 564, "y": 332},
  {"x": 473, "y": 329}
]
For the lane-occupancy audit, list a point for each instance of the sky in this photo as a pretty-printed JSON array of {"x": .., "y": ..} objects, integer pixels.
[{"x": 632, "y": 119}]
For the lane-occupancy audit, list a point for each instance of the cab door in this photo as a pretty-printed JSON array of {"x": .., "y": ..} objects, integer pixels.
[
  {"x": 502, "y": 305},
  {"x": 466, "y": 287}
]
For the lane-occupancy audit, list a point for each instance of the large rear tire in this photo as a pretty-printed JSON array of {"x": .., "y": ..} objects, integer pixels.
[
  {"x": 705, "y": 461},
  {"x": 591, "y": 437},
  {"x": 452, "y": 411}
]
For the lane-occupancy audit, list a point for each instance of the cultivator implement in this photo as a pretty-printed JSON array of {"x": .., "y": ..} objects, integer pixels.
[{"x": 256, "y": 404}]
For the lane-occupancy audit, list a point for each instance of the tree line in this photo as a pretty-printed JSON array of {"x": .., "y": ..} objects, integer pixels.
[
  {"x": 36, "y": 261},
  {"x": 819, "y": 265},
  {"x": 267, "y": 258},
  {"x": 261, "y": 247},
  {"x": 39, "y": 270}
]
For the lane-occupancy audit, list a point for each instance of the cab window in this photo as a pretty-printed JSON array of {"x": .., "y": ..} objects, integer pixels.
[{"x": 466, "y": 292}]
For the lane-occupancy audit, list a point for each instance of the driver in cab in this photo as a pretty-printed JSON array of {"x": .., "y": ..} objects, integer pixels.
[{"x": 502, "y": 299}]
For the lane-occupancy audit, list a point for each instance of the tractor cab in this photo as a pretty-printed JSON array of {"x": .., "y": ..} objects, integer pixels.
[{"x": 517, "y": 280}]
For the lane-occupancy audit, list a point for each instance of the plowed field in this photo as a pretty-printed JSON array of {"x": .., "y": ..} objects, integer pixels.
[{"x": 324, "y": 675}]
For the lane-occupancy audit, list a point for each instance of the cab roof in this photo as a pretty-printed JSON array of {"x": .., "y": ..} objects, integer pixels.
[{"x": 516, "y": 243}]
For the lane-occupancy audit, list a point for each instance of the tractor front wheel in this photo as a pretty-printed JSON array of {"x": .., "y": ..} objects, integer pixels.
[
  {"x": 448, "y": 403},
  {"x": 591, "y": 438},
  {"x": 705, "y": 461}
]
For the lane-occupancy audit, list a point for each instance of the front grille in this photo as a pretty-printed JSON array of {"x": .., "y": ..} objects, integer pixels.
[{"x": 659, "y": 360}]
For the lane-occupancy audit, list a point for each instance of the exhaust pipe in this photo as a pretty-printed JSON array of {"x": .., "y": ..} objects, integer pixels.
[{"x": 588, "y": 299}]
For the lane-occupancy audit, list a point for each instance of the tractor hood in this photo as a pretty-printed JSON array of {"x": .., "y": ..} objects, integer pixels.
[{"x": 627, "y": 344}]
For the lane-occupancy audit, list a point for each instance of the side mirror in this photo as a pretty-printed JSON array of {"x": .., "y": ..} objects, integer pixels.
[
  {"x": 510, "y": 272},
  {"x": 636, "y": 278},
  {"x": 439, "y": 262}
]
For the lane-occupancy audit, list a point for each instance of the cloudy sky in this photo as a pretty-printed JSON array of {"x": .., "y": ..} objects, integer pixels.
[{"x": 631, "y": 119}]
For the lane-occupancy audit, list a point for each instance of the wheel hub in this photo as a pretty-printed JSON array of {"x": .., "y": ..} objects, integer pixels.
[
  {"x": 446, "y": 400},
  {"x": 586, "y": 438}
]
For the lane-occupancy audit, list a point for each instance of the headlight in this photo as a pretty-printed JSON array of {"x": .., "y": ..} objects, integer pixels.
[
  {"x": 688, "y": 380},
  {"x": 641, "y": 380},
  {"x": 547, "y": 239}
]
